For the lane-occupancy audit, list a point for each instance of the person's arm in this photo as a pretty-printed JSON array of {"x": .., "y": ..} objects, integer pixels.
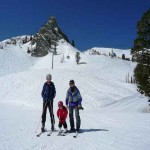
[
  {"x": 58, "y": 113},
  {"x": 79, "y": 98},
  {"x": 67, "y": 98},
  {"x": 65, "y": 113},
  {"x": 54, "y": 90},
  {"x": 43, "y": 90}
]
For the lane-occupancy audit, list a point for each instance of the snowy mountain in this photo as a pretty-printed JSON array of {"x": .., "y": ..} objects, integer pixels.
[
  {"x": 108, "y": 51},
  {"x": 115, "y": 115}
]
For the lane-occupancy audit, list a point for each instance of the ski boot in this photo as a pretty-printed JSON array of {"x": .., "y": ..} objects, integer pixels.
[
  {"x": 43, "y": 128},
  {"x": 72, "y": 130},
  {"x": 65, "y": 130},
  {"x": 52, "y": 128}
]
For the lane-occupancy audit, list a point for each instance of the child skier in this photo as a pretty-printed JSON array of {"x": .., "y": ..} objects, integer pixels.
[{"x": 62, "y": 113}]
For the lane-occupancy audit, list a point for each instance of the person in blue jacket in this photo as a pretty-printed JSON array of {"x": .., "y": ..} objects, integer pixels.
[
  {"x": 73, "y": 102},
  {"x": 48, "y": 95}
]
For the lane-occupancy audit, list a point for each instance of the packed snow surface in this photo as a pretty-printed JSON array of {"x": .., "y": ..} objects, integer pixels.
[{"x": 115, "y": 115}]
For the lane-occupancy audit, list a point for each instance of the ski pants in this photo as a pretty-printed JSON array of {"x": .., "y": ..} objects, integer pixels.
[
  {"x": 64, "y": 125},
  {"x": 77, "y": 116},
  {"x": 49, "y": 105}
]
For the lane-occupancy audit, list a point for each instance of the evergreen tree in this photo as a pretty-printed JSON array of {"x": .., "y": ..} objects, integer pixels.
[
  {"x": 73, "y": 44},
  {"x": 123, "y": 56},
  {"x": 141, "y": 53}
]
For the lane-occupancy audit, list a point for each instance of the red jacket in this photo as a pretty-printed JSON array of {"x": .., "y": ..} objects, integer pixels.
[{"x": 62, "y": 114}]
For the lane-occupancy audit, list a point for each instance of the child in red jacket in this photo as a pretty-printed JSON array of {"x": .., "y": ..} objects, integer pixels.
[{"x": 62, "y": 113}]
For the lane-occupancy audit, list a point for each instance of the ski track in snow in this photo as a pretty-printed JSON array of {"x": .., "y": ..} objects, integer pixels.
[{"x": 115, "y": 116}]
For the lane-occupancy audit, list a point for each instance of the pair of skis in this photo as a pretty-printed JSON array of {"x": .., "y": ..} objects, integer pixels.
[
  {"x": 59, "y": 134},
  {"x": 49, "y": 134},
  {"x": 64, "y": 134}
]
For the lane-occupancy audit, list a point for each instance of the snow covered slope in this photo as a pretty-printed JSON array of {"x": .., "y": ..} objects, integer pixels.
[
  {"x": 106, "y": 51},
  {"x": 115, "y": 116}
]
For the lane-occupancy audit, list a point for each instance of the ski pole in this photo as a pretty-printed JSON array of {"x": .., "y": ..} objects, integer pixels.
[{"x": 41, "y": 116}]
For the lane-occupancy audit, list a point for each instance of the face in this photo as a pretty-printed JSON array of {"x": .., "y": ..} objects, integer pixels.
[
  {"x": 60, "y": 106},
  {"x": 71, "y": 84},
  {"x": 48, "y": 79}
]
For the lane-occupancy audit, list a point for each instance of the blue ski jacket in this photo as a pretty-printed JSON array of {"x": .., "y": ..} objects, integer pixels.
[
  {"x": 73, "y": 98},
  {"x": 48, "y": 91}
]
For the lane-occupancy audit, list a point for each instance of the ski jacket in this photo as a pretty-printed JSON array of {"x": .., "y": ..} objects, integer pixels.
[
  {"x": 48, "y": 91},
  {"x": 73, "y": 98},
  {"x": 62, "y": 114}
]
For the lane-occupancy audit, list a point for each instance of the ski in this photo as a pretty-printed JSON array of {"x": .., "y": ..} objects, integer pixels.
[
  {"x": 62, "y": 133},
  {"x": 38, "y": 135},
  {"x": 76, "y": 135},
  {"x": 49, "y": 134}
]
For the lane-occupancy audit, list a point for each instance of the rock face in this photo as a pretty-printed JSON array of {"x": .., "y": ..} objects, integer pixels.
[{"x": 47, "y": 37}]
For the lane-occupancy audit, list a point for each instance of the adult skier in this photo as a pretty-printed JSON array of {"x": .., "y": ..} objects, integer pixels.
[
  {"x": 73, "y": 102},
  {"x": 48, "y": 95}
]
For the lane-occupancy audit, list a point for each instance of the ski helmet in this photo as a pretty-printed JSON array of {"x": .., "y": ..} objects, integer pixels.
[{"x": 60, "y": 104}]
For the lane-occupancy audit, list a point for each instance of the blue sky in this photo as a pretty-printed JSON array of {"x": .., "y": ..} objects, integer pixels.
[{"x": 96, "y": 23}]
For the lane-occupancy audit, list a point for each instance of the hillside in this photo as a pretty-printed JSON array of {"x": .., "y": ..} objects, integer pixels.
[{"x": 115, "y": 115}]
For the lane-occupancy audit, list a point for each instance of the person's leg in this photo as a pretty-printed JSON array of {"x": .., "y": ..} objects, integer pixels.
[
  {"x": 65, "y": 127},
  {"x": 71, "y": 118},
  {"x": 78, "y": 120},
  {"x": 51, "y": 102},
  {"x": 44, "y": 115},
  {"x": 51, "y": 115},
  {"x": 60, "y": 125}
]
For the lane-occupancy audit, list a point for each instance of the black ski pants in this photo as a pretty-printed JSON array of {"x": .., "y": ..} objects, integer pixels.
[
  {"x": 64, "y": 125},
  {"x": 49, "y": 105}
]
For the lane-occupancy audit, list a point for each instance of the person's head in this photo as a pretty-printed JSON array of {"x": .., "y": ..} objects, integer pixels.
[
  {"x": 71, "y": 83},
  {"x": 60, "y": 104},
  {"x": 48, "y": 77}
]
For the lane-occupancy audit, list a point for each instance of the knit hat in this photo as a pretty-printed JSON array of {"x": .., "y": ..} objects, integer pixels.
[
  {"x": 48, "y": 77},
  {"x": 71, "y": 82}
]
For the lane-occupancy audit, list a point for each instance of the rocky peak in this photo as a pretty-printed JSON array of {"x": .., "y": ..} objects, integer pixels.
[{"x": 47, "y": 37}]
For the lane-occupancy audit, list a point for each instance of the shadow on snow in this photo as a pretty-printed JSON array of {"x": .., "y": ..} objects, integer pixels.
[
  {"x": 93, "y": 130},
  {"x": 82, "y": 63}
]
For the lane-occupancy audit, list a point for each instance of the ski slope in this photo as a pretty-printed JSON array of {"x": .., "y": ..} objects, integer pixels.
[{"x": 115, "y": 115}]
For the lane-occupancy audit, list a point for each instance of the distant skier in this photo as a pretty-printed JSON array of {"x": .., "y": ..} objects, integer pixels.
[
  {"x": 48, "y": 95},
  {"x": 73, "y": 99},
  {"x": 62, "y": 113},
  {"x": 77, "y": 57}
]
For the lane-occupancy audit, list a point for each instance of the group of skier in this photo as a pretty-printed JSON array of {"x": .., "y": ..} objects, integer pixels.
[{"x": 73, "y": 104}]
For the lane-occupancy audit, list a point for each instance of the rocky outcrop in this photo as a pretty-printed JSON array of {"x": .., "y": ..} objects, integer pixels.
[{"x": 47, "y": 37}]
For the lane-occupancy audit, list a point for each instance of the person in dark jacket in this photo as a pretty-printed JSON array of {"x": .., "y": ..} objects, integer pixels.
[
  {"x": 48, "y": 95},
  {"x": 73, "y": 101}
]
